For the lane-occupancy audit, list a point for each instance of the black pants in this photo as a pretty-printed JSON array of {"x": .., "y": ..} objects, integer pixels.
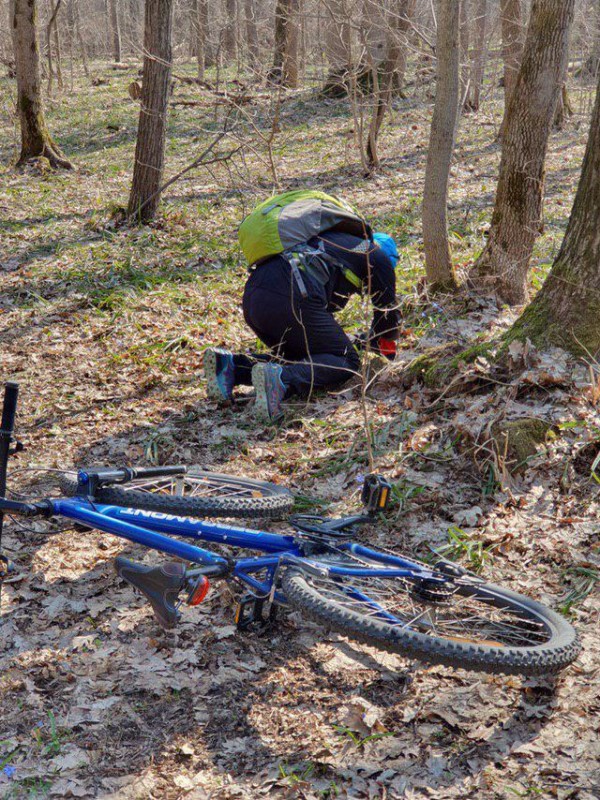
[{"x": 304, "y": 337}]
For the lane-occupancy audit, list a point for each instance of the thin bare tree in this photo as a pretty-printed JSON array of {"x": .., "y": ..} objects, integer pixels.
[
  {"x": 438, "y": 262},
  {"x": 479, "y": 55},
  {"x": 115, "y": 29}
]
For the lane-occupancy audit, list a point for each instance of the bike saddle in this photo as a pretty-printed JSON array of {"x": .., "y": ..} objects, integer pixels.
[{"x": 161, "y": 585}]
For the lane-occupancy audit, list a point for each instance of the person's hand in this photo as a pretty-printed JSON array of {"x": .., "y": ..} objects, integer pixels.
[
  {"x": 387, "y": 348},
  {"x": 380, "y": 346}
]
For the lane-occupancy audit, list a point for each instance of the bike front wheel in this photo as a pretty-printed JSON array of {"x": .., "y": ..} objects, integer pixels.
[
  {"x": 469, "y": 624},
  {"x": 197, "y": 493}
]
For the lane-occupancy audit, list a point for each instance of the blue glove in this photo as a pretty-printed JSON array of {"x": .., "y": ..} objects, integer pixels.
[{"x": 386, "y": 243}]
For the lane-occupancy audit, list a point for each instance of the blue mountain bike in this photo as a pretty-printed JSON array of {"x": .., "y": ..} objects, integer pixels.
[{"x": 440, "y": 614}]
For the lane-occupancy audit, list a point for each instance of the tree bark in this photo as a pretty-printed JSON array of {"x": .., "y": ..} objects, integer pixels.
[
  {"x": 200, "y": 27},
  {"x": 503, "y": 263},
  {"x": 566, "y": 311},
  {"x": 35, "y": 138},
  {"x": 438, "y": 263},
  {"x": 479, "y": 55},
  {"x": 512, "y": 49},
  {"x": 285, "y": 57},
  {"x": 150, "y": 146},
  {"x": 398, "y": 22},
  {"x": 52, "y": 26},
  {"x": 252, "y": 34},
  {"x": 77, "y": 18},
  {"x": 465, "y": 40},
  {"x": 230, "y": 32},
  {"x": 115, "y": 29},
  {"x": 403, "y": 12}
]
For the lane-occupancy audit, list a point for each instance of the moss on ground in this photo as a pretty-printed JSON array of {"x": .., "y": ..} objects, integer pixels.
[{"x": 517, "y": 441}]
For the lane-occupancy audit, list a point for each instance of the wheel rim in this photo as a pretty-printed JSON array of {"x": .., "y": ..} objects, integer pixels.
[
  {"x": 199, "y": 485},
  {"x": 470, "y": 615}
]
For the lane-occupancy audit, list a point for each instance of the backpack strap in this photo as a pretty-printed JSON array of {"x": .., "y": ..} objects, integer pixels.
[{"x": 294, "y": 260}]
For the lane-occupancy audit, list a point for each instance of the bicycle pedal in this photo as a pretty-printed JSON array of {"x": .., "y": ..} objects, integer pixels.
[
  {"x": 254, "y": 611},
  {"x": 8, "y": 569}
]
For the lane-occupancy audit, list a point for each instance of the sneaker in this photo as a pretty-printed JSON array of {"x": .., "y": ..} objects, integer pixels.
[
  {"x": 270, "y": 390},
  {"x": 220, "y": 374}
]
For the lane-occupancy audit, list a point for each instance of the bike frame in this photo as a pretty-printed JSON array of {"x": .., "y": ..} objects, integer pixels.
[{"x": 156, "y": 529}]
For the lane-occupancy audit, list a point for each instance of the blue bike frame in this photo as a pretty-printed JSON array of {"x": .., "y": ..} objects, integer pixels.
[{"x": 155, "y": 529}]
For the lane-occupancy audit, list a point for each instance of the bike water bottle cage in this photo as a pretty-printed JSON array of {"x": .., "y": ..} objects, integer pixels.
[
  {"x": 90, "y": 480},
  {"x": 376, "y": 493}
]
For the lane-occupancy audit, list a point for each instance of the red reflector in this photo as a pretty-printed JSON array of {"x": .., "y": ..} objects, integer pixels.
[{"x": 200, "y": 591}]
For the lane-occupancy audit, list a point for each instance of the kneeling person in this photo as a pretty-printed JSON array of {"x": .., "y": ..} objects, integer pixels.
[{"x": 324, "y": 254}]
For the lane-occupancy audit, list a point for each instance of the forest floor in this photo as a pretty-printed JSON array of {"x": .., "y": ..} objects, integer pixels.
[{"x": 104, "y": 328}]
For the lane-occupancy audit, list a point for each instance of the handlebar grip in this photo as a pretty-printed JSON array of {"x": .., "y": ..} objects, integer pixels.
[
  {"x": 157, "y": 472},
  {"x": 9, "y": 407}
]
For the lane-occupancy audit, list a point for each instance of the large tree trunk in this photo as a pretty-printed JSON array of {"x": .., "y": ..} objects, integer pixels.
[
  {"x": 438, "y": 264},
  {"x": 285, "y": 57},
  {"x": 512, "y": 49},
  {"x": 479, "y": 55},
  {"x": 35, "y": 137},
  {"x": 115, "y": 30},
  {"x": 566, "y": 311},
  {"x": 338, "y": 46},
  {"x": 150, "y": 146},
  {"x": 503, "y": 264}
]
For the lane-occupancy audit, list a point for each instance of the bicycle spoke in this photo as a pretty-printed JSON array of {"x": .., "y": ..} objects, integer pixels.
[{"x": 461, "y": 616}]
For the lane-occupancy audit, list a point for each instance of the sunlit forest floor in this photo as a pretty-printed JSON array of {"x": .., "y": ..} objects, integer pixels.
[{"x": 104, "y": 328}]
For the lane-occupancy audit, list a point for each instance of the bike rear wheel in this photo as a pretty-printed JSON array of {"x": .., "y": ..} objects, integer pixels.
[
  {"x": 198, "y": 493},
  {"x": 469, "y": 624}
]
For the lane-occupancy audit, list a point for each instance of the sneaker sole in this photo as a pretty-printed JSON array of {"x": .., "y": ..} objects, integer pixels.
[
  {"x": 213, "y": 390},
  {"x": 261, "y": 404}
]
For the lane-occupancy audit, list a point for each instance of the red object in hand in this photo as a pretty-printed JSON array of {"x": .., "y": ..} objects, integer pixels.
[{"x": 387, "y": 348}]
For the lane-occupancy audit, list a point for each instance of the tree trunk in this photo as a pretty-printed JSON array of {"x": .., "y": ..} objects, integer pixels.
[
  {"x": 503, "y": 264},
  {"x": 566, "y": 311},
  {"x": 403, "y": 13},
  {"x": 398, "y": 23},
  {"x": 115, "y": 30},
  {"x": 373, "y": 29},
  {"x": 35, "y": 137},
  {"x": 512, "y": 49},
  {"x": 230, "y": 33},
  {"x": 465, "y": 65},
  {"x": 338, "y": 46},
  {"x": 592, "y": 65},
  {"x": 77, "y": 18},
  {"x": 285, "y": 57},
  {"x": 438, "y": 264},
  {"x": 150, "y": 146},
  {"x": 199, "y": 26},
  {"x": 252, "y": 34},
  {"x": 479, "y": 56},
  {"x": 291, "y": 61}
]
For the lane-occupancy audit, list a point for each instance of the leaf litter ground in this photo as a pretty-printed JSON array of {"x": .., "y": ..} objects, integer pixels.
[{"x": 105, "y": 328}]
